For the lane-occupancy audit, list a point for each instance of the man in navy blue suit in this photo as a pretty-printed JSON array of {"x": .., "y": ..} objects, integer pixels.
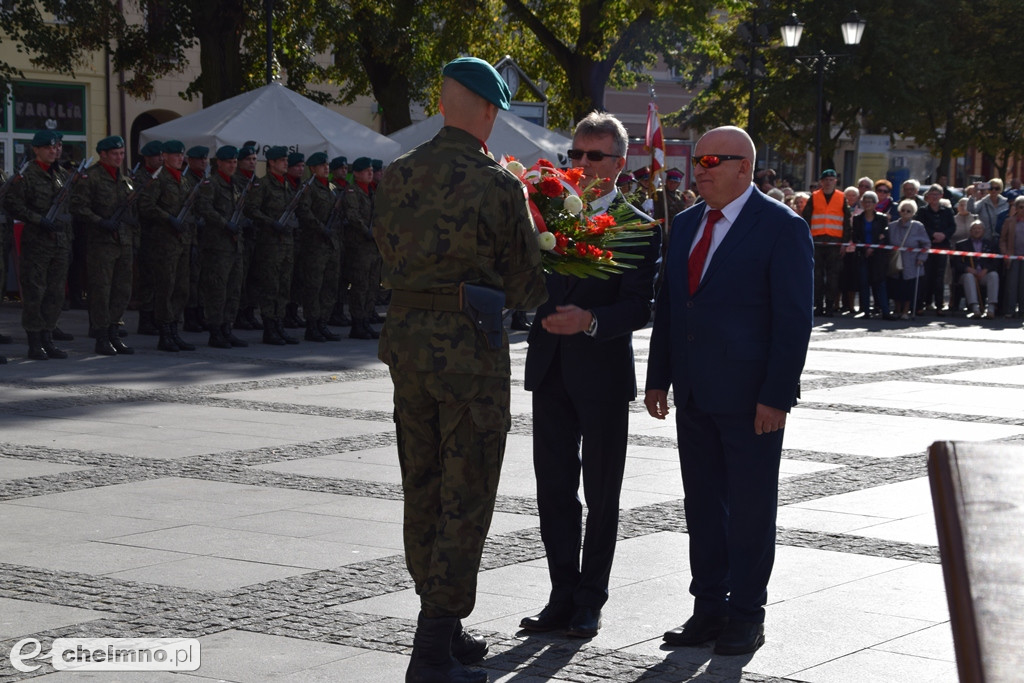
[
  {"x": 580, "y": 369},
  {"x": 730, "y": 336}
]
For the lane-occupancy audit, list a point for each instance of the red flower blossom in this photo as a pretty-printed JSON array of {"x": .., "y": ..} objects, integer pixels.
[
  {"x": 550, "y": 187},
  {"x": 545, "y": 163},
  {"x": 574, "y": 175},
  {"x": 603, "y": 220},
  {"x": 581, "y": 249},
  {"x": 609, "y": 255},
  {"x": 561, "y": 240}
]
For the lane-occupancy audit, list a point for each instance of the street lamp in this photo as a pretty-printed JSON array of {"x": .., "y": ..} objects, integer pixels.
[{"x": 853, "y": 30}]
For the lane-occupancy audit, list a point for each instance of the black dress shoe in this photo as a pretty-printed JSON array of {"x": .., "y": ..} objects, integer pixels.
[
  {"x": 554, "y": 616},
  {"x": 698, "y": 629},
  {"x": 585, "y": 622},
  {"x": 740, "y": 638}
]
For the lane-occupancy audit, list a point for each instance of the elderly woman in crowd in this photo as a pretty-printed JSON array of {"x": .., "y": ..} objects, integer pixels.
[
  {"x": 1011, "y": 243},
  {"x": 905, "y": 282},
  {"x": 992, "y": 208},
  {"x": 849, "y": 274},
  {"x": 963, "y": 219},
  {"x": 871, "y": 227},
  {"x": 800, "y": 200},
  {"x": 883, "y": 188}
]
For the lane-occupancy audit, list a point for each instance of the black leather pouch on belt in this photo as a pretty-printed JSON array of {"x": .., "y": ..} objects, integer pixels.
[{"x": 483, "y": 305}]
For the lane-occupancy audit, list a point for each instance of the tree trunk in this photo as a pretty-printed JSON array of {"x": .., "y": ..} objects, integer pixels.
[{"x": 218, "y": 26}]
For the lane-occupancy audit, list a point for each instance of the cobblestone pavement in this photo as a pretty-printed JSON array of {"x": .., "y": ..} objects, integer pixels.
[{"x": 250, "y": 498}]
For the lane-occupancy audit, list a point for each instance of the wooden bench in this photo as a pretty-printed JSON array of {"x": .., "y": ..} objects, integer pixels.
[{"x": 978, "y": 496}]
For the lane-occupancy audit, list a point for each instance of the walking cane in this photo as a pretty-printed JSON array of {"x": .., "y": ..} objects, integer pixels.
[{"x": 913, "y": 303}]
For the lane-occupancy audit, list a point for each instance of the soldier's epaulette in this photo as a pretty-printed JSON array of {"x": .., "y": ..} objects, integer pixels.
[{"x": 350, "y": 189}]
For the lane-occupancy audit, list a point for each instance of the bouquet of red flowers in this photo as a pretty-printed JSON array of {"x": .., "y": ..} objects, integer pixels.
[{"x": 572, "y": 240}]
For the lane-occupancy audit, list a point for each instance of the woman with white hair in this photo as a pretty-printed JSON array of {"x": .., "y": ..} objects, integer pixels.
[{"x": 904, "y": 283}]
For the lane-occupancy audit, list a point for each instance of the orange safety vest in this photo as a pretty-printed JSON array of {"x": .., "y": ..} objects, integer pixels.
[{"x": 827, "y": 217}]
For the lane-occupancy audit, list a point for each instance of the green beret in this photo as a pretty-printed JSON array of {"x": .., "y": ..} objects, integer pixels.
[
  {"x": 338, "y": 162},
  {"x": 828, "y": 173},
  {"x": 198, "y": 152},
  {"x": 361, "y": 164},
  {"x": 45, "y": 138},
  {"x": 153, "y": 148},
  {"x": 317, "y": 159},
  {"x": 109, "y": 143},
  {"x": 246, "y": 151},
  {"x": 227, "y": 153},
  {"x": 174, "y": 147},
  {"x": 276, "y": 152},
  {"x": 296, "y": 158},
  {"x": 481, "y": 78},
  {"x": 377, "y": 164}
]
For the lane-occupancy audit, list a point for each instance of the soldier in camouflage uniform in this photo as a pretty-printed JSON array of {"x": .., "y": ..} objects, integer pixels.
[
  {"x": 6, "y": 242},
  {"x": 159, "y": 206},
  {"x": 152, "y": 161},
  {"x": 100, "y": 205},
  {"x": 274, "y": 254},
  {"x": 448, "y": 214},
  {"x": 319, "y": 242},
  {"x": 247, "y": 301},
  {"x": 292, "y": 319},
  {"x": 362, "y": 258},
  {"x": 45, "y": 246},
  {"x": 198, "y": 161},
  {"x": 339, "y": 173},
  {"x": 676, "y": 203},
  {"x": 220, "y": 249}
]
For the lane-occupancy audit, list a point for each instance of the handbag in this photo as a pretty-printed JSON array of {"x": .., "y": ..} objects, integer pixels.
[{"x": 896, "y": 260}]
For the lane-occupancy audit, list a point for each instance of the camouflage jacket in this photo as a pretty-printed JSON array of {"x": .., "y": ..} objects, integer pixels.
[
  {"x": 676, "y": 203},
  {"x": 97, "y": 196},
  {"x": 159, "y": 203},
  {"x": 30, "y": 198},
  {"x": 321, "y": 198},
  {"x": 216, "y": 203},
  {"x": 446, "y": 213},
  {"x": 358, "y": 214},
  {"x": 266, "y": 202},
  {"x": 241, "y": 180},
  {"x": 193, "y": 220}
]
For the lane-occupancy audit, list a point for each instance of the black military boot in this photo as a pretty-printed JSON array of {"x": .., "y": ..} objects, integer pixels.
[
  {"x": 313, "y": 333},
  {"x": 166, "y": 342},
  {"x": 270, "y": 335},
  {"x": 362, "y": 330},
  {"x": 61, "y": 335},
  {"x": 217, "y": 338},
  {"x": 325, "y": 332},
  {"x": 375, "y": 317},
  {"x": 117, "y": 343},
  {"x": 292, "y": 319},
  {"x": 103, "y": 345},
  {"x": 147, "y": 324},
  {"x": 465, "y": 647},
  {"x": 192, "y": 320},
  {"x": 52, "y": 351},
  {"x": 6, "y": 339},
  {"x": 251, "y": 319},
  {"x": 288, "y": 339},
  {"x": 182, "y": 344},
  {"x": 338, "y": 317},
  {"x": 240, "y": 322},
  {"x": 432, "y": 660},
  {"x": 35, "y": 346},
  {"x": 225, "y": 329}
]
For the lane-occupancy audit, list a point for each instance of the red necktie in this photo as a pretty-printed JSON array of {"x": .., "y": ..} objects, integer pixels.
[{"x": 695, "y": 267}]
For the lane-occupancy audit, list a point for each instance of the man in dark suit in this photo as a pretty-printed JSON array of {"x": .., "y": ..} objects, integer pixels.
[
  {"x": 734, "y": 319},
  {"x": 580, "y": 369}
]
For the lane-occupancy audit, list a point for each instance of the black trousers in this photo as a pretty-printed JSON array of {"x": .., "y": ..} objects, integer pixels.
[{"x": 575, "y": 434}]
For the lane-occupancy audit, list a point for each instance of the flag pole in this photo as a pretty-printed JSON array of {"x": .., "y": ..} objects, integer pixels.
[{"x": 653, "y": 112}]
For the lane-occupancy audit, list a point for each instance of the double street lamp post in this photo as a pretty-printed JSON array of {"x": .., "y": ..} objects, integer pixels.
[{"x": 853, "y": 30}]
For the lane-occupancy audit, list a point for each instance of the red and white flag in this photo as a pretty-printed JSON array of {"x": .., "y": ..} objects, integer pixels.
[{"x": 655, "y": 142}]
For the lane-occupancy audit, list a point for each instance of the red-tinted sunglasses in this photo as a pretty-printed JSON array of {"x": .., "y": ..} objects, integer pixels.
[{"x": 712, "y": 160}]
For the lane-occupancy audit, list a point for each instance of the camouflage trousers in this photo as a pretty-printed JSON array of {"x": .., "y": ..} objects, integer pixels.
[
  {"x": 6, "y": 242},
  {"x": 451, "y": 440},
  {"x": 362, "y": 262},
  {"x": 169, "y": 266},
  {"x": 248, "y": 298},
  {"x": 320, "y": 266},
  {"x": 273, "y": 263},
  {"x": 109, "y": 269},
  {"x": 144, "y": 287},
  {"x": 220, "y": 285},
  {"x": 44, "y": 274}
]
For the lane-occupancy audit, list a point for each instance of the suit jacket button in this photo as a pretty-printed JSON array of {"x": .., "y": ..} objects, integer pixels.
[
  {"x": 689, "y": 304},
  {"x": 689, "y": 337}
]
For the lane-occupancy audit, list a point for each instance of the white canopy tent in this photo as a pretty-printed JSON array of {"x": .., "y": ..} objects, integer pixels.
[
  {"x": 512, "y": 135},
  {"x": 274, "y": 115}
]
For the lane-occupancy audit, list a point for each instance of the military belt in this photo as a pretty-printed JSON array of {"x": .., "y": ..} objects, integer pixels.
[{"x": 426, "y": 301}]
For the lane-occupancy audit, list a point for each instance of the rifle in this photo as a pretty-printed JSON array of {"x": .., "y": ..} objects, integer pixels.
[
  {"x": 337, "y": 213},
  {"x": 192, "y": 196},
  {"x": 133, "y": 196},
  {"x": 65, "y": 191},
  {"x": 6, "y": 187},
  {"x": 289, "y": 210},
  {"x": 236, "y": 215}
]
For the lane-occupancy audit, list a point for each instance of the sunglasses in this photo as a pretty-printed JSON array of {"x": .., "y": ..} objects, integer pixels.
[
  {"x": 592, "y": 154},
  {"x": 883, "y": 190},
  {"x": 712, "y": 160}
]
